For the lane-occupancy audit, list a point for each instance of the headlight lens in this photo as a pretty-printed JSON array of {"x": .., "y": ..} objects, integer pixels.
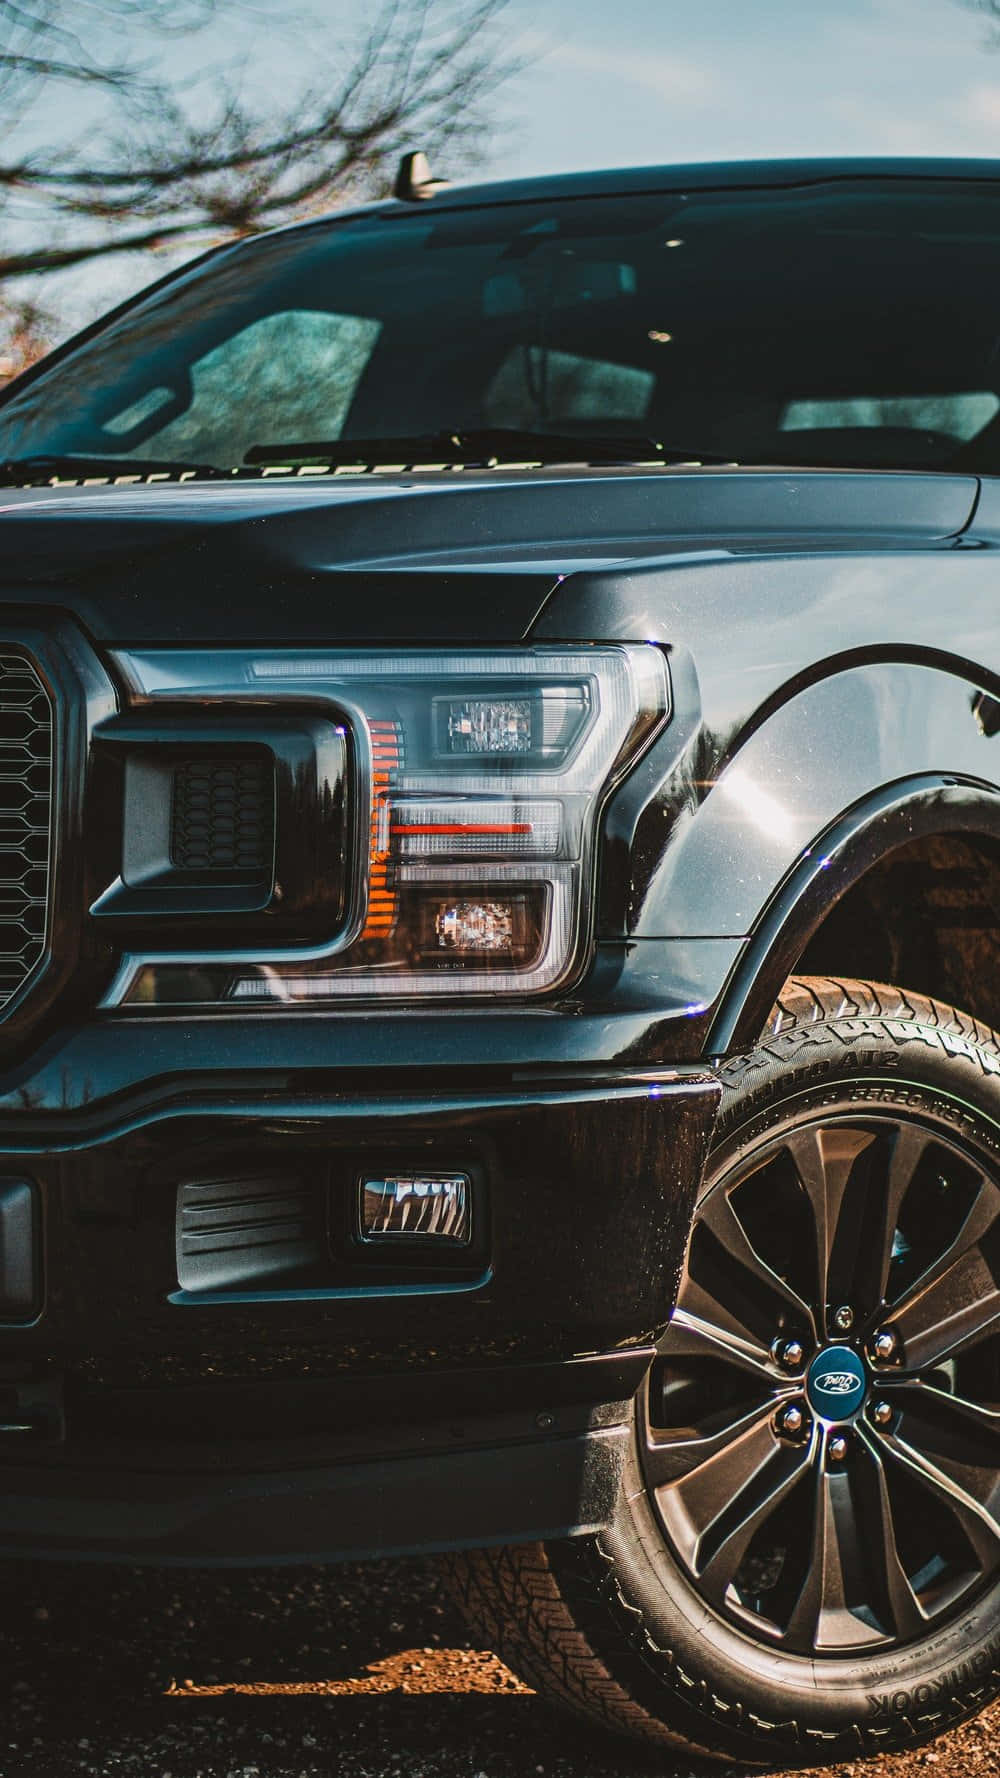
[{"x": 479, "y": 779}]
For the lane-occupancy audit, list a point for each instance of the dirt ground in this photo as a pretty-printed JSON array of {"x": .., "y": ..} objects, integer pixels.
[{"x": 361, "y": 1672}]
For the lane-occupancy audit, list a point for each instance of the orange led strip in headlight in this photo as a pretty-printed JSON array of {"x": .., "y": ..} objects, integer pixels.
[{"x": 386, "y": 760}]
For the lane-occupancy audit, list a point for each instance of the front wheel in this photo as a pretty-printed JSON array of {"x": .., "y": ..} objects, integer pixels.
[{"x": 804, "y": 1564}]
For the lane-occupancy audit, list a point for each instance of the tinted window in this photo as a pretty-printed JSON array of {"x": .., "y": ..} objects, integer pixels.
[{"x": 853, "y": 322}]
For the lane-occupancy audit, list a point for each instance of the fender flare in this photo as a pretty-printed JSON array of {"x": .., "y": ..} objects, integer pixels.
[{"x": 910, "y": 809}]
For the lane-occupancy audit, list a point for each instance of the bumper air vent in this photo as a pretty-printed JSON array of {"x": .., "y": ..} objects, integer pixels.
[
  {"x": 25, "y": 821},
  {"x": 248, "y": 1233}
]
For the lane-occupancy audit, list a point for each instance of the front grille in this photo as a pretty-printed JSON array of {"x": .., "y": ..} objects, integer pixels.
[{"x": 25, "y": 821}]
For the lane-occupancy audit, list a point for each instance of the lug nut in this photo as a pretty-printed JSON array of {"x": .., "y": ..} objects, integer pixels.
[
  {"x": 843, "y": 1318},
  {"x": 837, "y": 1448},
  {"x": 884, "y": 1345},
  {"x": 790, "y": 1421},
  {"x": 881, "y": 1413},
  {"x": 791, "y": 1354}
]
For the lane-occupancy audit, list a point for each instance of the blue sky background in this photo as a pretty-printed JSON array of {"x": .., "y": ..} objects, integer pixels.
[
  {"x": 619, "y": 82},
  {"x": 628, "y": 81}
]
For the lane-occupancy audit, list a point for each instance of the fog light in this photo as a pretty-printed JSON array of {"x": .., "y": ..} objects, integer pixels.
[
  {"x": 475, "y": 926},
  {"x": 416, "y": 1206},
  {"x": 541, "y": 725},
  {"x": 489, "y": 725}
]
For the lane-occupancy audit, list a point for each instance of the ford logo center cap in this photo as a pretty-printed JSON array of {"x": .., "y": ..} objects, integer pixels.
[{"x": 836, "y": 1384}]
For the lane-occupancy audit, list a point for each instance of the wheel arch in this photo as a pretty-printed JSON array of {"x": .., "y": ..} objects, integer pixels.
[{"x": 907, "y": 881}]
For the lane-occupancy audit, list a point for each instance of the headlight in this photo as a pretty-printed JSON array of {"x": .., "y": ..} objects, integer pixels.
[{"x": 477, "y": 782}]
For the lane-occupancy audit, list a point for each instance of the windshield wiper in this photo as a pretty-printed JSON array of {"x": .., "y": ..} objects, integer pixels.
[
  {"x": 484, "y": 445},
  {"x": 38, "y": 470}
]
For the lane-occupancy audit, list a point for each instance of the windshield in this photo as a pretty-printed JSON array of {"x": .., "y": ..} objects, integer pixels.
[{"x": 849, "y": 323}]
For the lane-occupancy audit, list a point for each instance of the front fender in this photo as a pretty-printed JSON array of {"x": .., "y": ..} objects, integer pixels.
[
  {"x": 833, "y": 780},
  {"x": 827, "y": 750},
  {"x": 916, "y": 808}
]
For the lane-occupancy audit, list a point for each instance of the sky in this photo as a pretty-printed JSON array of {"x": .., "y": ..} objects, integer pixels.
[
  {"x": 618, "y": 82},
  {"x": 637, "y": 82}
]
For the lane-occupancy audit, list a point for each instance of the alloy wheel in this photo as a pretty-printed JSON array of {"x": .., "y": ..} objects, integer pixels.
[{"x": 820, "y": 1432}]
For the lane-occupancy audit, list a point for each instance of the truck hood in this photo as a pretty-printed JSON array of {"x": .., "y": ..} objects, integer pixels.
[{"x": 462, "y": 557}]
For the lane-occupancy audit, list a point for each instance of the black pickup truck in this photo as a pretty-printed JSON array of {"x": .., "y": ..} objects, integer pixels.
[{"x": 499, "y": 806}]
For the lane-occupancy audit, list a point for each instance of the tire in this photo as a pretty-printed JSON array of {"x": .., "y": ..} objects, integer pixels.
[{"x": 648, "y": 1627}]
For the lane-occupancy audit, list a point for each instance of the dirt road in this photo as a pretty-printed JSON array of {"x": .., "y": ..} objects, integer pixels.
[{"x": 354, "y": 1673}]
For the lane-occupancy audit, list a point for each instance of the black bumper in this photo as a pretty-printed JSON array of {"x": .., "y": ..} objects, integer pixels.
[
  {"x": 517, "y": 1473},
  {"x": 362, "y": 1410}
]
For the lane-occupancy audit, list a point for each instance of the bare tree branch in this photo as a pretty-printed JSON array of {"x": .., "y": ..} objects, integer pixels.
[
  {"x": 171, "y": 161},
  {"x": 990, "y": 11}
]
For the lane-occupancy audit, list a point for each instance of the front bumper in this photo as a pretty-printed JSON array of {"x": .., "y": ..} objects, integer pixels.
[
  {"x": 359, "y": 1413},
  {"x": 544, "y": 1461}
]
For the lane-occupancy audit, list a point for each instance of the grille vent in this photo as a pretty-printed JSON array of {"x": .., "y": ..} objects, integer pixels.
[
  {"x": 222, "y": 816},
  {"x": 25, "y": 820}
]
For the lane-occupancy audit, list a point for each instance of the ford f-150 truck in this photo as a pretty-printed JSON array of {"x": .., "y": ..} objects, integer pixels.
[{"x": 499, "y": 897}]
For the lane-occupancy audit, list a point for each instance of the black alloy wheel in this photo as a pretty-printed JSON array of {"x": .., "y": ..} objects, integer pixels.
[
  {"x": 804, "y": 1563},
  {"x": 815, "y": 1436}
]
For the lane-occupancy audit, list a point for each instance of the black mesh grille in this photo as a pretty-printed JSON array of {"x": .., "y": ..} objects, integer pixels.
[
  {"x": 25, "y": 819},
  {"x": 223, "y": 815}
]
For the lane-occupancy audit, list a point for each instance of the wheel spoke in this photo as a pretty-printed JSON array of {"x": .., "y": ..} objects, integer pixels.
[
  {"x": 716, "y": 1510},
  {"x": 669, "y": 1457},
  {"x": 955, "y": 1486},
  {"x": 820, "y": 1618},
  {"x": 720, "y": 1217},
  {"x": 689, "y": 1336},
  {"x": 902, "y": 1608},
  {"x": 854, "y": 1564},
  {"x": 956, "y": 1301},
  {"x": 960, "y": 1421},
  {"x": 909, "y": 1144},
  {"x": 722, "y": 1322},
  {"x": 825, "y": 1158}
]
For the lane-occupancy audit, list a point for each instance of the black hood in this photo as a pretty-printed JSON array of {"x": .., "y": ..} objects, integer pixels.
[{"x": 463, "y": 557}]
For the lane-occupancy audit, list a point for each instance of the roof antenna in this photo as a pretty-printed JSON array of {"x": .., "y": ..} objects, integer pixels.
[{"x": 414, "y": 180}]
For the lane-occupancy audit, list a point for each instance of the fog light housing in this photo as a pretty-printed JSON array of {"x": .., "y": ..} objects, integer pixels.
[{"x": 425, "y": 1207}]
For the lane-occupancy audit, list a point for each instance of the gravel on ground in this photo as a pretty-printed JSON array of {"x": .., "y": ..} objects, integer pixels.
[{"x": 355, "y": 1672}]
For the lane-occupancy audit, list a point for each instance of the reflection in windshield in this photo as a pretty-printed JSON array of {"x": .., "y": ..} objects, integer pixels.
[{"x": 847, "y": 323}]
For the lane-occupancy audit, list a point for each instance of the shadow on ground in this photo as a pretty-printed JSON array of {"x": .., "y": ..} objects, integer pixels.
[
  {"x": 361, "y": 1672},
  {"x": 354, "y": 1671}
]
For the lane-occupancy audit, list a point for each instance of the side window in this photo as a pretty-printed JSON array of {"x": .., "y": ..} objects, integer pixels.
[
  {"x": 534, "y": 385},
  {"x": 958, "y": 416},
  {"x": 284, "y": 378}
]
